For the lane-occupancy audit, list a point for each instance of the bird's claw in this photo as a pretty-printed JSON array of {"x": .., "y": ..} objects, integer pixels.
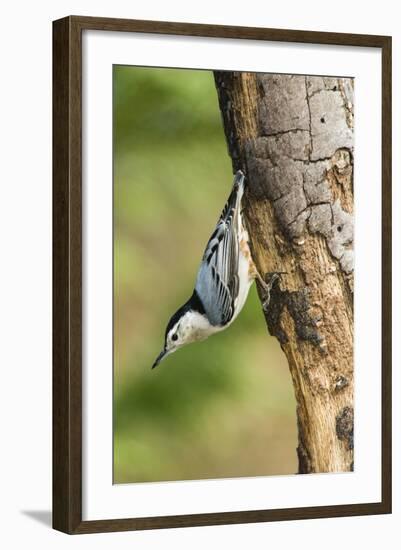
[
  {"x": 268, "y": 286},
  {"x": 265, "y": 304}
]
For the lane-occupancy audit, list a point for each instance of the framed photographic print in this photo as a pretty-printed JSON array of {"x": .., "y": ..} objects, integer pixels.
[{"x": 190, "y": 162}]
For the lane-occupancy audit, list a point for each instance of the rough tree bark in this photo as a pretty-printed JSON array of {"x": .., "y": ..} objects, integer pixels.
[{"x": 293, "y": 137}]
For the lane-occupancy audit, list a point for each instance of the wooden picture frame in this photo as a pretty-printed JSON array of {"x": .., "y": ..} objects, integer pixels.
[{"x": 67, "y": 274}]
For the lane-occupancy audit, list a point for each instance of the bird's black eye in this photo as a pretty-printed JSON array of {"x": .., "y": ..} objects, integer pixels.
[{"x": 174, "y": 337}]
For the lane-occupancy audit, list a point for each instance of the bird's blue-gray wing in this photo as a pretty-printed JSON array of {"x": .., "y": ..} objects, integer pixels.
[{"x": 217, "y": 283}]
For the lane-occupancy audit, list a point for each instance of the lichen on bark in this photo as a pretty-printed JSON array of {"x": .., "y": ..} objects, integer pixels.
[{"x": 293, "y": 137}]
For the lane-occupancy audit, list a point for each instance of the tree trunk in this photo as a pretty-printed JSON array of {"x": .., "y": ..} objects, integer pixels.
[{"x": 293, "y": 138}]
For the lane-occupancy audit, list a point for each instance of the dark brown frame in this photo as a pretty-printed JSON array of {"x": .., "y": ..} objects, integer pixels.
[{"x": 67, "y": 274}]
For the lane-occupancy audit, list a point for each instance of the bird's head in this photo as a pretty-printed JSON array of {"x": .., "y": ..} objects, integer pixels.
[{"x": 188, "y": 324}]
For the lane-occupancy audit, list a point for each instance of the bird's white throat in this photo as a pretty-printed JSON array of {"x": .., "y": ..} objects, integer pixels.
[{"x": 195, "y": 327}]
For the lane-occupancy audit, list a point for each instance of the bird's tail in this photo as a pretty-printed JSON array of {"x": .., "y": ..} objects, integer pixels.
[
  {"x": 239, "y": 180},
  {"x": 233, "y": 203},
  {"x": 235, "y": 197}
]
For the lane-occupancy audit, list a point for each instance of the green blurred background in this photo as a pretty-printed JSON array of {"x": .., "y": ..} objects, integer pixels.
[{"x": 220, "y": 408}]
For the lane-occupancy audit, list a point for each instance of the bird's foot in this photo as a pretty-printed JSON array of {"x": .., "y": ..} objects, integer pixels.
[
  {"x": 265, "y": 305},
  {"x": 267, "y": 286}
]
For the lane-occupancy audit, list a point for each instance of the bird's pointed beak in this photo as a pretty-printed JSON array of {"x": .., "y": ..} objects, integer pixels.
[{"x": 160, "y": 357}]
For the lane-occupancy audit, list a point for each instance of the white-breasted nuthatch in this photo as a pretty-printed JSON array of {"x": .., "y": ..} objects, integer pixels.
[{"x": 223, "y": 281}]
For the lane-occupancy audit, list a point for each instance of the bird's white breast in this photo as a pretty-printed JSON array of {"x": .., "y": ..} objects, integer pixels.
[{"x": 244, "y": 269}]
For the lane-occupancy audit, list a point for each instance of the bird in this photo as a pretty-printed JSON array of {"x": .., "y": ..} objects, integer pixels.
[{"x": 225, "y": 275}]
